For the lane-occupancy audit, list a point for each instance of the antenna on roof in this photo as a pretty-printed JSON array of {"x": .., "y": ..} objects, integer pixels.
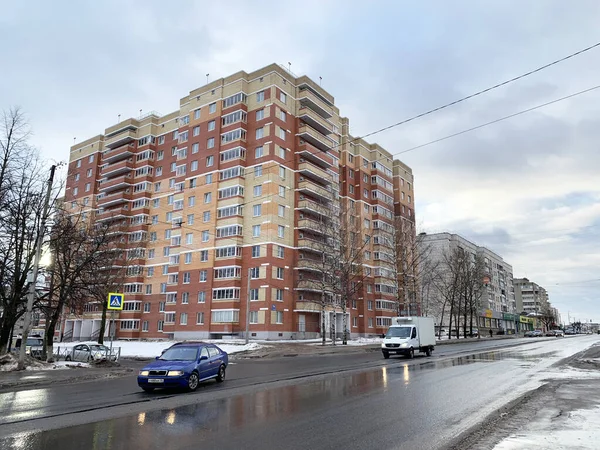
[
  {"x": 118, "y": 118},
  {"x": 207, "y": 77},
  {"x": 289, "y": 67},
  {"x": 320, "y": 80}
]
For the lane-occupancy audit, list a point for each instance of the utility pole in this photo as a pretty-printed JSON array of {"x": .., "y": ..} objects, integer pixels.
[
  {"x": 248, "y": 306},
  {"x": 36, "y": 265}
]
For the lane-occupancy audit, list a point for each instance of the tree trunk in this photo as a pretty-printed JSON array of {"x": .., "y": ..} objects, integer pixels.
[
  {"x": 102, "y": 324},
  {"x": 451, "y": 313},
  {"x": 323, "y": 331},
  {"x": 5, "y": 332},
  {"x": 49, "y": 335},
  {"x": 344, "y": 323}
]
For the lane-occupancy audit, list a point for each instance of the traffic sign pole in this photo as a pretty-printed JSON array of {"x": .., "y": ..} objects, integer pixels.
[{"x": 115, "y": 302}]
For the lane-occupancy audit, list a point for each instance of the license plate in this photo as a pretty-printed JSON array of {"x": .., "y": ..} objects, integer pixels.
[{"x": 156, "y": 380}]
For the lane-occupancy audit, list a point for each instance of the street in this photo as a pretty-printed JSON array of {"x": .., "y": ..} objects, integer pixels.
[{"x": 352, "y": 401}]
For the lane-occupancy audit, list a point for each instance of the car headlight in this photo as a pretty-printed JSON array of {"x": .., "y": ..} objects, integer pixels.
[
  {"x": 405, "y": 345},
  {"x": 175, "y": 373},
  {"x": 144, "y": 373}
]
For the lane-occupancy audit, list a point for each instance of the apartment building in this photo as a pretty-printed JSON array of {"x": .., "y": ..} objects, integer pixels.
[
  {"x": 221, "y": 198},
  {"x": 531, "y": 298},
  {"x": 497, "y": 303}
]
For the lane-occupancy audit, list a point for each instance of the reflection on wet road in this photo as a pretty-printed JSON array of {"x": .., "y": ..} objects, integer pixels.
[{"x": 417, "y": 404}]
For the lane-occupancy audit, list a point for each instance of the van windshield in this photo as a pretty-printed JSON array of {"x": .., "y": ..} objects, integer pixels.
[{"x": 401, "y": 332}]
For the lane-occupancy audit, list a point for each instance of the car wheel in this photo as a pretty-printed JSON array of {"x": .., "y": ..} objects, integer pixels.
[
  {"x": 428, "y": 351},
  {"x": 411, "y": 353},
  {"x": 386, "y": 355},
  {"x": 148, "y": 389},
  {"x": 68, "y": 358},
  {"x": 221, "y": 374},
  {"x": 193, "y": 381}
]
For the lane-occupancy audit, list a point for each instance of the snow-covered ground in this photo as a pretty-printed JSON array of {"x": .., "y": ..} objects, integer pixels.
[
  {"x": 10, "y": 364},
  {"x": 150, "y": 349},
  {"x": 579, "y": 430}
]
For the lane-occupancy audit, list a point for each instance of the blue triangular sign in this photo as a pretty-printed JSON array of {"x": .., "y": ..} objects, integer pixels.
[{"x": 115, "y": 300}]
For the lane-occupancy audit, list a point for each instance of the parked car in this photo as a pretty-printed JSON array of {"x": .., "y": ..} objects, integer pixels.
[
  {"x": 184, "y": 365},
  {"x": 550, "y": 333},
  {"x": 90, "y": 352},
  {"x": 537, "y": 333},
  {"x": 559, "y": 333},
  {"x": 34, "y": 346},
  {"x": 529, "y": 334}
]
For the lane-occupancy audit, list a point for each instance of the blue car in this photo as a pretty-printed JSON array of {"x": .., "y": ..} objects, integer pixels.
[{"x": 184, "y": 365}]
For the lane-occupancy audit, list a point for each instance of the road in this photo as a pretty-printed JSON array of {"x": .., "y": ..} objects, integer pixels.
[{"x": 352, "y": 401}]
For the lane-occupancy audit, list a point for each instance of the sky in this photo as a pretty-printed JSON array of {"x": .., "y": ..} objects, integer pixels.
[{"x": 528, "y": 188}]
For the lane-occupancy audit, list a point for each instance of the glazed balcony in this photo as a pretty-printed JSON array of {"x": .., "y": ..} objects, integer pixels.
[
  {"x": 119, "y": 183},
  {"x": 114, "y": 199},
  {"x": 116, "y": 154},
  {"x": 121, "y": 138},
  {"x": 116, "y": 169}
]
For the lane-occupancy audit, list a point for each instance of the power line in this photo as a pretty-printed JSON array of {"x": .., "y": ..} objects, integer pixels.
[
  {"x": 483, "y": 91},
  {"x": 468, "y": 130}
]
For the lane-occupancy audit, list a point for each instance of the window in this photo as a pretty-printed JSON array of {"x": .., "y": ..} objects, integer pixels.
[
  {"x": 89, "y": 173},
  {"x": 281, "y": 152},
  {"x": 206, "y": 216},
  {"x": 150, "y": 269},
  {"x": 279, "y": 273},
  {"x": 75, "y": 190},
  {"x": 208, "y": 179},
  {"x": 186, "y": 278},
  {"x": 196, "y": 113},
  {"x": 211, "y": 125},
  {"x": 254, "y": 294},
  {"x": 190, "y": 219},
  {"x": 78, "y": 163},
  {"x": 260, "y": 96},
  {"x": 226, "y": 174},
  {"x": 173, "y": 167},
  {"x": 260, "y": 133},
  {"x": 280, "y": 251},
  {"x": 159, "y": 171},
  {"x": 191, "y": 200},
  {"x": 200, "y": 318},
  {"x": 188, "y": 258},
  {"x": 170, "y": 317},
  {"x": 212, "y": 108},
  {"x": 351, "y": 188},
  {"x": 257, "y": 190},
  {"x": 210, "y": 161},
  {"x": 201, "y": 296},
  {"x": 255, "y": 230},
  {"x": 258, "y": 152},
  {"x": 282, "y": 97},
  {"x": 161, "y": 154},
  {"x": 194, "y": 166},
  {"x": 207, "y": 197},
  {"x": 254, "y": 273},
  {"x": 256, "y": 251},
  {"x": 210, "y": 142},
  {"x": 228, "y": 252},
  {"x": 257, "y": 210},
  {"x": 160, "y": 325},
  {"x": 234, "y": 153},
  {"x": 225, "y": 316},
  {"x": 253, "y": 318},
  {"x": 165, "y": 269},
  {"x": 196, "y": 133},
  {"x": 355, "y": 322},
  {"x": 260, "y": 114},
  {"x": 192, "y": 183},
  {"x": 230, "y": 230},
  {"x": 279, "y": 295},
  {"x": 282, "y": 172},
  {"x": 205, "y": 236},
  {"x": 161, "y": 307},
  {"x": 203, "y": 275},
  {"x": 258, "y": 171},
  {"x": 183, "y": 137},
  {"x": 280, "y": 231},
  {"x": 203, "y": 255},
  {"x": 279, "y": 317},
  {"x": 148, "y": 289},
  {"x": 130, "y": 324},
  {"x": 281, "y": 133},
  {"x": 183, "y": 319},
  {"x": 227, "y": 272},
  {"x": 91, "y": 159},
  {"x": 234, "y": 135},
  {"x": 282, "y": 191},
  {"x": 370, "y": 305},
  {"x": 282, "y": 115}
]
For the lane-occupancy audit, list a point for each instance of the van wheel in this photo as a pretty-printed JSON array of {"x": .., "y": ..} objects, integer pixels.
[
  {"x": 411, "y": 353},
  {"x": 386, "y": 355},
  {"x": 428, "y": 351},
  {"x": 68, "y": 358}
]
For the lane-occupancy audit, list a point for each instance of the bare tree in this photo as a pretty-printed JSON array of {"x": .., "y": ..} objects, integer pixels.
[{"x": 22, "y": 188}]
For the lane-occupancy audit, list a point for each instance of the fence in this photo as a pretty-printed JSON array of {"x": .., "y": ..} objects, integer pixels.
[{"x": 82, "y": 355}]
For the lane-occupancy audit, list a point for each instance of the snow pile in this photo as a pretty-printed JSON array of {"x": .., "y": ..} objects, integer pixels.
[
  {"x": 580, "y": 429},
  {"x": 151, "y": 349},
  {"x": 9, "y": 362}
]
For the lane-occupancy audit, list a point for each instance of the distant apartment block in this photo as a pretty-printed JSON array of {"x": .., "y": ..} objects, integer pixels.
[
  {"x": 531, "y": 297},
  {"x": 231, "y": 186}
]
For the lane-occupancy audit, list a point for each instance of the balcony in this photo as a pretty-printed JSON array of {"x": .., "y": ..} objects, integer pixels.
[
  {"x": 124, "y": 137},
  {"x": 122, "y": 182},
  {"x": 314, "y": 226},
  {"x": 313, "y": 190},
  {"x": 316, "y": 208},
  {"x": 315, "y": 156},
  {"x": 112, "y": 214},
  {"x": 313, "y": 265},
  {"x": 315, "y": 138},
  {"x": 314, "y": 120},
  {"x": 117, "y": 154},
  {"x": 310, "y": 100},
  {"x": 310, "y": 285},
  {"x": 314, "y": 172},
  {"x": 308, "y": 243},
  {"x": 113, "y": 199},
  {"x": 119, "y": 168}
]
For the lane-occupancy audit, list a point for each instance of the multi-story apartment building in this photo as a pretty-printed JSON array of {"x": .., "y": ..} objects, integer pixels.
[
  {"x": 498, "y": 305},
  {"x": 531, "y": 297},
  {"x": 221, "y": 198}
]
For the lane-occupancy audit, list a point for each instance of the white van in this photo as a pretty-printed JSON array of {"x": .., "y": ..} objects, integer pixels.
[{"x": 407, "y": 335}]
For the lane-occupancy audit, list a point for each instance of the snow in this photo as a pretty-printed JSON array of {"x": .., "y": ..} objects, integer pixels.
[
  {"x": 10, "y": 361},
  {"x": 150, "y": 349},
  {"x": 579, "y": 430}
]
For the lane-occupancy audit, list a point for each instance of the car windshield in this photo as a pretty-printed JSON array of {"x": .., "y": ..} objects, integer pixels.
[
  {"x": 180, "y": 354},
  {"x": 34, "y": 342},
  {"x": 401, "y": 332}
]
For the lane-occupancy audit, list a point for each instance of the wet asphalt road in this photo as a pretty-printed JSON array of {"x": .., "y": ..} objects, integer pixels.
[{"x": 422, "y": 403}]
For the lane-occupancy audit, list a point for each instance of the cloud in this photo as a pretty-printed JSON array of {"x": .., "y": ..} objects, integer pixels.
[{"x": 526, "y": 187}]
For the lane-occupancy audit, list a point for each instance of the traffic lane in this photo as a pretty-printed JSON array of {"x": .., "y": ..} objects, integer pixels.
[
  {"x": 84, "y": 397},
  {"x": 409, "y": 406}
]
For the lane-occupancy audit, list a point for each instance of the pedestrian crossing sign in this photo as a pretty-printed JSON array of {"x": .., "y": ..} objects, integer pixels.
[{"x": 115, "y": 301}]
